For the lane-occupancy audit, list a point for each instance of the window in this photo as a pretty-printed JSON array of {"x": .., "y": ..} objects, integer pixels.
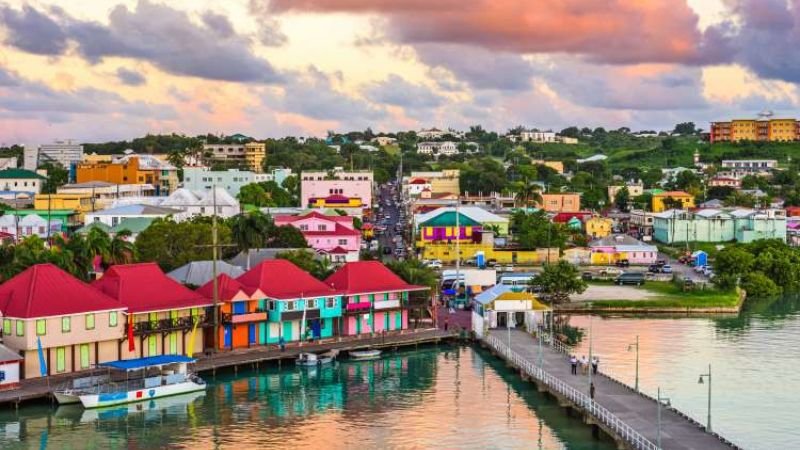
[
  {"x": 90, "y": 321},
  {"x": 290, "y": 306},
  {"x": 20, "y": 328},
  {"x": 311, "y": 303},
  {"x": 112, "y": 319},
  {"x": 271, "y": 305},
  {"x": 303, "y": 227},
  {"x": 41, "y": 327},
  {"x": 330, "y": 302},
  {"x": 322, "y": 227},
  {"x": 7, "y": 326},
  {"x": 342, "y": 241},
  {"x": 66, "y": 324}
]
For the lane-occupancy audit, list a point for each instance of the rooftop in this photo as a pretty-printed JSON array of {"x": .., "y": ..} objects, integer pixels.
[
  {"x": 19, "y": 173},
  {"x": 280, "y": 279},
  {"x": 362, "y": 277}
]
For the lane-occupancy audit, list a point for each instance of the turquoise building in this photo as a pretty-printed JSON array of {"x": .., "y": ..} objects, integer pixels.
[{"x": 714, "y": 225}]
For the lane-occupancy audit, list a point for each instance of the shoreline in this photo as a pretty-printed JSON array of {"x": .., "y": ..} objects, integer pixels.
[{"x": 641, "y": 307}]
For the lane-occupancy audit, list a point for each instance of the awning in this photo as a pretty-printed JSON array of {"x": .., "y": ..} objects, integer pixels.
[{"x": 150, "y": 361}]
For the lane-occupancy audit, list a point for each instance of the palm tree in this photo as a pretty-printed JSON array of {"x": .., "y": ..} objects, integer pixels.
[
  {"x": 121, "y": 249},
  {"x": 251, "y": 230},
  {"x": 528, "y": 193},
  {"x": 98, "y": 244},
  {"x": 69, "y": 255}
]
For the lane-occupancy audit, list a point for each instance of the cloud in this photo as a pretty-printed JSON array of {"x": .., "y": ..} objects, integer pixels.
[
  {"x": 610, "y": 31},
  {"x": 269, "y": 29},
  {"x": 32, "y": 31},
  {"x": 164, "y": 36},
  {"x": 480, "y": 68},
  {"x": 396, "y": 91},
  {"x": 130, "y": 77}
]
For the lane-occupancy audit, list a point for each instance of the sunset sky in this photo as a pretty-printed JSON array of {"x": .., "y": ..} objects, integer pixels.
[{"x": 96, "y": 70}]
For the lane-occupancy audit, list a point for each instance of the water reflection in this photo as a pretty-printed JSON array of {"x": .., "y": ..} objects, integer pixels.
[{"x": 449, "y": 397}]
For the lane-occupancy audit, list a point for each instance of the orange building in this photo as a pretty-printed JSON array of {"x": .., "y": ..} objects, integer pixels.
[
  {"x": 111, "y": 172},
  {"x": 243, "y": 315},
  {"x": 565, "y": 202}
]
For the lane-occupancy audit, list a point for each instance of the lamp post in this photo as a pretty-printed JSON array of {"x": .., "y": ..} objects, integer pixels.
[
  {"x": 661, "y": 401},
  {"x": 591, "y": 367},
  {"x": 700, "y": 381},
  {"x": 636, "y": 346}
]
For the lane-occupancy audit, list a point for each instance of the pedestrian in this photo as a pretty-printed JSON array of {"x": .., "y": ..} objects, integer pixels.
[
  {"x": 574, "y": 362},
  {"x": 591, "y": 391},
  {"x": 584, "y": 365},
  {"x": 282, "y": 343},
  {"x": 595, "y": 362},
  {"x": 446, "y": 323}
]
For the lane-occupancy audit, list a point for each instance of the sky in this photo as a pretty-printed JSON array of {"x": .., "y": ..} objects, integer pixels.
[{"x": 97, "y": 70}]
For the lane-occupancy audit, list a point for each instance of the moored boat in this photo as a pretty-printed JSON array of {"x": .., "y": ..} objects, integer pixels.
[
  {"x": 136, "y": 380},
  {"x": 313, "y": 360},
  {"x": 364, "y": 355}
]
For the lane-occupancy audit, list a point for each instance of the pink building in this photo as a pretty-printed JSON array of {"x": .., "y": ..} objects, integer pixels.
[
  {"x": 315, "y": 187},
  {"x": 334, "y": 236},
  {"x": 375, "y": 299}
]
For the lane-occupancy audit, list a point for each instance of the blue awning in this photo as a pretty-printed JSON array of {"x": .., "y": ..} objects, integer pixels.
[{"x": 150, "y": 361}]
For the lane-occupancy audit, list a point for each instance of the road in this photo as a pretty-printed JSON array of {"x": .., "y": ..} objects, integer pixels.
[{"x": 388, "y": 199}]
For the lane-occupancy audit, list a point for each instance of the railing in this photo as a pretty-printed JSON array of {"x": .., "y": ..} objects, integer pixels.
[
  {"x": 601, "y": 414},
  {"x": 163, "y": 325}
]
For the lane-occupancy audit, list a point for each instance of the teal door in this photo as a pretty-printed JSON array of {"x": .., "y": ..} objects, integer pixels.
[
  {"x": 386, "y": 325},
  {"x": 358, "y": 324},
  {"x": 398, "y": 320},
  {"x": 262, "y": 333},
  {"x": 287, "y": 331}
]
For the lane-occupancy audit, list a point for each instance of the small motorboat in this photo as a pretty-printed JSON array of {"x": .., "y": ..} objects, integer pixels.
[
  {"x": 313, "y": 360},
  {"x": 365, "y": 355}
]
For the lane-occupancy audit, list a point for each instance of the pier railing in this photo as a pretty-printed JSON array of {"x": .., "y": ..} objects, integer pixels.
[{"x": 601, "y": 414}]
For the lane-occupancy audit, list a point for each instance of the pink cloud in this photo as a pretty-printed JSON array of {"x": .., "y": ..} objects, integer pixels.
[{"x": 613, "y": 31}]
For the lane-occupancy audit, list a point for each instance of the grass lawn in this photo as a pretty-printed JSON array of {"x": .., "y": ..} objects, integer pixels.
[{"x": 670, "y": 295}]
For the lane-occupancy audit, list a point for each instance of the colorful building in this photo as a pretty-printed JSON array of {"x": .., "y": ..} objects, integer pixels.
[
  {"x": 435, "y": 225},
  {"x": 564, "y": 202},
  {"x": 131, "y": 169},
  {"x": 80, "y": 203},
  {"x": 447, "y": 253},
  {"x": 442, "y": 182},
  {"x": 298, "y": 305},
  {"x": 713, "y": 225},
  {"x": 243, "y": 313},
  {"x": 599, "y": 227},
  {"x": 781, "y": 130},
  {"x": 21, "y": 180},
  {"x": 660, "y": 202},
  {"x": 505, "y": 306},
  {"x": 338, "y": 188},
  {"x": 612, "y": 249},
  {"x": 163, "y": 311},
  {"x": 77, "y": 326},
  {"x": 374, "y": 298},
  {"x": 335, "y": 236}
]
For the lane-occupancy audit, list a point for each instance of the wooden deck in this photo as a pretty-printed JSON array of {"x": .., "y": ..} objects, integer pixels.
[
  {"x": 628, "y": 416},
  {"x": 40, "y": 388}
]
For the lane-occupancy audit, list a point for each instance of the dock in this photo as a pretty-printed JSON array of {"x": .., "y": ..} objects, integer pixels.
[
  {"x": 629, "y": 417},
  {"x": 248, "y": 358}
]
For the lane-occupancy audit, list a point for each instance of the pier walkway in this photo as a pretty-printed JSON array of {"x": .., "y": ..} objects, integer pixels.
[{"x": 628, "y": 416}]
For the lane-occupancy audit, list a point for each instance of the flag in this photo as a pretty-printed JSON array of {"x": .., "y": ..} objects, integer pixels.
[
  {"x": 131, "y": 341},
  {"x": 190, "y": 350},
  {"x": 42, "y": 362}
]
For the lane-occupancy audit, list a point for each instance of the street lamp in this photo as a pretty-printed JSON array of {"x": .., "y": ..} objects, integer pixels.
[
  {"x": 661, "y": 401},
  {"x": 700, "y": 381},
  {"x": 636, "y": 346}
]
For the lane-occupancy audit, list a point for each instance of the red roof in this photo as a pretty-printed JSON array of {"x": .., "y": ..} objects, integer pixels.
[
  {"x": 44, "y": 290},
  {"x": 144, "y": 287},
  {"x": 337, "y": 251},
  {"x": 339, "y": 230},
  {"x": 279, "y": 278},
  {"x": 368, "y": 276},
  {"x": 227, "y": 288},
  {"x": 565, "y": 217},
  {"x": 313, "y": 214},
  {"x": 418, "y": 181}
]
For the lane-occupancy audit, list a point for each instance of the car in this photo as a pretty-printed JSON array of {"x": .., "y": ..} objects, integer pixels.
[
  {"x": 509, "y": 268},
  {"x": 470, "y": 262},
  {"x": 434, "y": 264},
  {"x": 699, "y": 269},
  {"x": 623, "y": 263},
  {"x": 708, "y": 271},
  {"x": 491, "y": 263},
  {"x": 661, "y": 262},
  {"x": 611, "y": 271},
  {"x": 666, "y": 269},
  {"x": 587, "y": 276},
  {"x": 634, "y": 278},
  {"x": 654, "y": 268}
]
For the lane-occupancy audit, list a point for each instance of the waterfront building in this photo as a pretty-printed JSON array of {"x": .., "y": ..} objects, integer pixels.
[
  {"x": 713, "y": 225},
  {"x": 113, "y": 216},
  {"x": 375, "y": 299},
  {"x": 563, "y": 202},
  {"x": 611, "y": 249},
  {"x": 293, "y": 295},
  {"x": 763, "y": 129},
  {"x": 21, "y": 181},
  {"x": 334, "y": 236},
  {"x": 163, "y": 311},
  {"x": 10, "y": 365},
  {"x": 505, "y": 306},
  {"x": 243, "y": 313},
  {"x": 77, "y": 326},
  {"x": 669, "y": 199},
  {"x": 336, "y": 189}
]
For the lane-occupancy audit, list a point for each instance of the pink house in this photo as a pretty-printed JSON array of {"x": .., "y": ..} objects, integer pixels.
[
  {"x": 315, "y": 187},
  {"x": 375, "y": 299},
  {"x": 334, "y": 236}
]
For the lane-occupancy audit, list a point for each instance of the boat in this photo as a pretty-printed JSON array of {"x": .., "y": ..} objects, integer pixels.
[
  {"x": 69, "y": 393},
  {"x": 150, "y": 409},
  {"x": 135, "y": 380},
  {"x": 313, "y": 360},
  {"x": 365, "y": 355}
]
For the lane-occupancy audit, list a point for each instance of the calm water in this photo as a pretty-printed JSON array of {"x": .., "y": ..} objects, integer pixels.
[
  {"x": 446, "y": 397},
  {"x": 753, "y": 357}
]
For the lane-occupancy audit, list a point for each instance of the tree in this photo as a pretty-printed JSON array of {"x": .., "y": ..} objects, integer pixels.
[
  {"x": 251, "y": 230},
  {"x": 412, "y": 271},
  {"x": 121, "y": 250},
  {"x": 287, "y": 236},
  {"x": 535, "y": 230},
  {"x": 307, "y": 260},
  {"x": 57, "y": 176},
  {"x": 559, "y": 281},
  {"x": 685, "y": 128},
  {"x": 731, "y": 263},
  {"x": 756, "y": 284},
  {"x": 172, "y": 244},
  {"x": 622, "y": 199},
  {"x": 572, "y": 132},
  {"x": 528, "y": 193}
]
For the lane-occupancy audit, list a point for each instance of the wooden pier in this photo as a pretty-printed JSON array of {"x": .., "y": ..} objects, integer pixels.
[{"x": 629, "y": 417}]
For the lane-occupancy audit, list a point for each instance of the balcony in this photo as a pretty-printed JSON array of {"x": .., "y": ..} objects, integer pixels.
[
  {"x": 258, "y": 316},
  {"x": 168, "y": 325},
  {"x": 358, "y": 307}
]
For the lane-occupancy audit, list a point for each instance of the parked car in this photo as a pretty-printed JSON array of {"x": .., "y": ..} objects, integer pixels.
[
  {"x": 611, "y": 271},
  {"x": 700, "y": 269},
  {"x": 470, "y": 262},
  {"x": 708, "y": 270},
  {"x": 623, "y": 263},
  {"x": 509, "y": 268},
  {"x": 666, "y": 269},
  {"x": 587, "y": 276},
  {"x": 654, "y": 268},
  {"x": 491, "y": 263},
  {"x": 434, "y": 264},
  {"x": 635, "y": 278}
]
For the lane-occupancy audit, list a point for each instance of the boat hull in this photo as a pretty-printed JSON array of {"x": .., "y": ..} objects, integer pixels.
[
  {"x": 314, "y": 363},
  {"x": 65, "y": 398},
  {"x": 365, "y": 355},
  {"x": 139, "y": 395}
]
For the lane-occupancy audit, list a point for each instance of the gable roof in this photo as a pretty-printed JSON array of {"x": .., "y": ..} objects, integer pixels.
[
  {"x": 44, "y": 290},
  {"x": 198, "y": 273},
  {"x": 475, "y": 213},
  {"x": 132, "y": 224},
  {"x": 362, "y": 277},
  {"x": 339, "y": 230},
  {"x": 7, "y": 174},
  {"x": 145, "y": 288},
  {"x": 280, "y": 279},
  {"x": 137, "y": 210},
  {"x": 86, "y": 228},
  {"x": 449, "y": 219},
  {"x": 227, "y": 288}
]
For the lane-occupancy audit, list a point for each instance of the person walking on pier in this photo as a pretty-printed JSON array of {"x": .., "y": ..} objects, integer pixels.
[
  {"x": 584, "y": 365},
  {"x": 595, "y": 362},
  {"x": 574, "y": 362}
]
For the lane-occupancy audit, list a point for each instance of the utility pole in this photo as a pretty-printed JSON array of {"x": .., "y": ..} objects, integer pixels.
[{"x": 214, "y": 244}]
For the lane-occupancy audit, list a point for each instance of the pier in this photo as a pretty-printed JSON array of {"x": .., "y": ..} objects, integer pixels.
[
  {"x": 249, "y": 358},
  {"x": 629, "y": 417}
]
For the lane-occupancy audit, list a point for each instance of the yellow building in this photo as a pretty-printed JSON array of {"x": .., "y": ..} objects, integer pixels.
[
  {"x": 335, "y": 201},
  {"x": 782, "y": 130},
  {"x": 443, "y": 182},
  {"x": 80, "y": 203},
  {"x": 447, "y": 253},
  {"x": 254, "y": 155},
  {"x": 775, "y": 130},
  {"x": 131, "y": 169},
  {"x": 598, "y": 227},
  {"x": 659, "y": 200},
  {"x": 558, "y": 166}
]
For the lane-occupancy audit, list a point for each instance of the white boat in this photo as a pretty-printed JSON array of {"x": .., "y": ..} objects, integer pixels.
[
  {"x": 365, "y": 355},
  {"x": 313, "y": 360},
  {"x": 70, "y": 392},
  {"x": 152, "y": 408},
  {"x": 144, "y": 379}
]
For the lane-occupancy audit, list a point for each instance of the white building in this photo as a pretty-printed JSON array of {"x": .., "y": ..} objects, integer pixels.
[
  {"x": 432, "y": 133},
  {"x": 384, "y": 140},
  {"x": 446, "y": 148},
  {"x": 251, "y": 154},
  {"x": 106, "y": 194},
  {"x": 113, "y": 216},
  {"x": 32, "y": 224},
  {"x": 21, "y": 180},
  {"x": 8, "y": 163},
  {"x": 540, "y": 137},
  {"x": 232, "y": 180},
  {"x": 750, "y": 166},
  {"x": 202, "y": 203},
  {"x": 64, "y": 153}
]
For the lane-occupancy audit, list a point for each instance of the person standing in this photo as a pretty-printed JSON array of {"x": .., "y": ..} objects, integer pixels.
[
  {"x": 446, "y": 323},
  {"x": 282, "y": 343},
  {"x": 574, "y": 362},
  {"x": 595, "y": 363},
  {"x": 591, "y": 391},
  {"x": 584, "y": 365}
]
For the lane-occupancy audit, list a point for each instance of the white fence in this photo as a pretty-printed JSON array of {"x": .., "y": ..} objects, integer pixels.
[{"x": 583, "y": 401}]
